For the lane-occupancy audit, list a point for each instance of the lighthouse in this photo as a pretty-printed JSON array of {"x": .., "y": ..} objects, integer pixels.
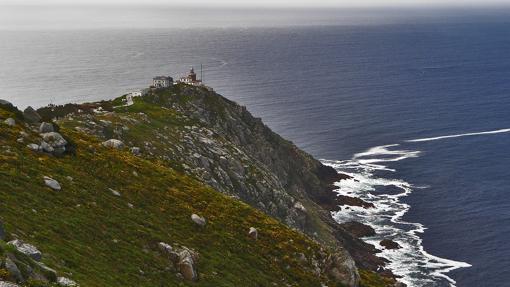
[
  {"x": 191, "y": 78},
  {"x": 192, "y": 75}
]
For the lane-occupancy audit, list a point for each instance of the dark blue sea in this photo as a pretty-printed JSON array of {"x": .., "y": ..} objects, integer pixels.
[{"x": 417, "y": 113}]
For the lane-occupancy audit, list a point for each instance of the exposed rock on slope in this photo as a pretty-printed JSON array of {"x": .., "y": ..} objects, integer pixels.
[
  {"x": 221, "y": 143},
  {"x": 200, "y": 135},
  {"x": 20, "y": 263},
  {"x": 358, "y": 229},
  {"x": 102, "y": 239}
]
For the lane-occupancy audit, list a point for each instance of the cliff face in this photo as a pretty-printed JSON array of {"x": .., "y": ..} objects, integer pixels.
[
  {"x": 239, "y": 155},
  {"x": 190, "y": 136}
]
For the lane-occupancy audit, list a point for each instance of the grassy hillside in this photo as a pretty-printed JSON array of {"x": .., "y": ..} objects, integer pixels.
[
  {"x": 91, "y": 234},
  {"x": 86, "y": 231}
]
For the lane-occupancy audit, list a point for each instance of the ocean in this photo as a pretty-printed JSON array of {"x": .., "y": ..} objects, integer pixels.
[{"x": 417, "y": 113}]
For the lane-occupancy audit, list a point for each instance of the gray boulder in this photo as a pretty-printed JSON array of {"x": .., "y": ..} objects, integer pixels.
[
  {"x": 183, "y": 258},
  {"x": 8, "y": 284},
  {"x": 340, "y": 266},
  {"x": 187, "y": 265},
  {"x": 31, "y": 115},
  {"x": 113, "y": 143},
  {"x": 198, "y": 220},
  {"x": 135, "y": 150},
  {"x": 54, "y": 140},
  {"x": 46, "y": 147},
  {"x": 26, "y": 249},
  {"x": 172, "y": 253},
  {"x": 253, "y": 233},
  {"x": 166, "y": 248},
  {"x": 46, "y": 128},
  {"x": 13, "y": 269},
  {"x": 63, "y": 281},
  {"x": 10, "y": 122},
  {"x": 51, "y": 183},
  {"x": 300, "y": 207},
  {"x": 34, "y": 147}
]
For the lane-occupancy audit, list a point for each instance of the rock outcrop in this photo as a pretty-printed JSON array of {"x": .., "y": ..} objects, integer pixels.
[
  {"x": 353, "y": 201},
  {"x": 53, "y": 143},
  {"x": 13, "y": 269},
  {"x": 8, "y": 284},
  {"x": 46, "y": 128},
  {"x": 31, "y": 115},
  {"x": 66, "y": 282},
  {"x": 26, "y": 249},
  {"x": 358, "y": 229},
  {"x": 113, "y": 143},
  {"x": 389, "y": 244},
  {"x": 184, "y": 260},
  {"x": 186, "y": 263},
  {"x": 23, "y": 266},
  {"x": 343, "y": 268}
]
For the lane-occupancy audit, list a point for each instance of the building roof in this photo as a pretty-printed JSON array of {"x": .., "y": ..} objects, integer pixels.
[{"x": 162, "y": 78}]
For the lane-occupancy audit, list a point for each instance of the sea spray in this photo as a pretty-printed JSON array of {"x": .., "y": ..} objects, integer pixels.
[{"x": 415, "y": 265}]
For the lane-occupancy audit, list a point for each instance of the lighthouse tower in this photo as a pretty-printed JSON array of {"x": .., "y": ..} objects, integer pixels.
[
  {"x": 192, "y": 75},
  {"x": 191, "y": 78}
]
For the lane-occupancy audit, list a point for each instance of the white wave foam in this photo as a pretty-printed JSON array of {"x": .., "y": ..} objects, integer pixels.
[
  {"x": 384, "y": 151},
  {"x": 460, "y": 135},
  {"x": 416, "y": 266}
]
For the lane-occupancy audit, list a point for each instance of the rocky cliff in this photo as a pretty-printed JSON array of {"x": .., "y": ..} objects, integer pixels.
[{"x": 193, "y": 136}]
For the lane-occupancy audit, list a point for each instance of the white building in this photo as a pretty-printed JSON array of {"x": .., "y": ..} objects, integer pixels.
[
  {"x": 136, "y": 94},
  {"x": 162, "y": 82},
  {"x": 129, "y": 100}
]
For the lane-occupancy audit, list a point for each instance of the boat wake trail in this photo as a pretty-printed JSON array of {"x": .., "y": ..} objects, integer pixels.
[
  {"x": 460, "y": 135},
  {"x": 371, "y": 182},
  {"x": 219, "y": 63}
]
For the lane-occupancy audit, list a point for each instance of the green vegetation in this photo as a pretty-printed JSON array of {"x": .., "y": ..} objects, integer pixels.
[
  {"x": 94, "y": 236},
  {"x": 372, "y": 279},
  {"x": 89, "y": 234}
]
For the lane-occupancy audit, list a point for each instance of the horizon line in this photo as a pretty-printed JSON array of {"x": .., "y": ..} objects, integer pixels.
[{"x": 442, "y": 5}]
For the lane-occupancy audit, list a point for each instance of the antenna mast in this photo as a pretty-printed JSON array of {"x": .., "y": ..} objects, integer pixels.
[{"x": 201, "y": 74}]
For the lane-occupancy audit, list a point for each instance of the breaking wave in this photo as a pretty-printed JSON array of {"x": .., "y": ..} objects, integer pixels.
[{"x": 371, "y": 181}]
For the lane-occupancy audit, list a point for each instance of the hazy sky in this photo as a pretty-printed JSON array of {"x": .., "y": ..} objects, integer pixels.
[
  {"x": 133, "y": 14},
  {"x": 272, "y": 3}
]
